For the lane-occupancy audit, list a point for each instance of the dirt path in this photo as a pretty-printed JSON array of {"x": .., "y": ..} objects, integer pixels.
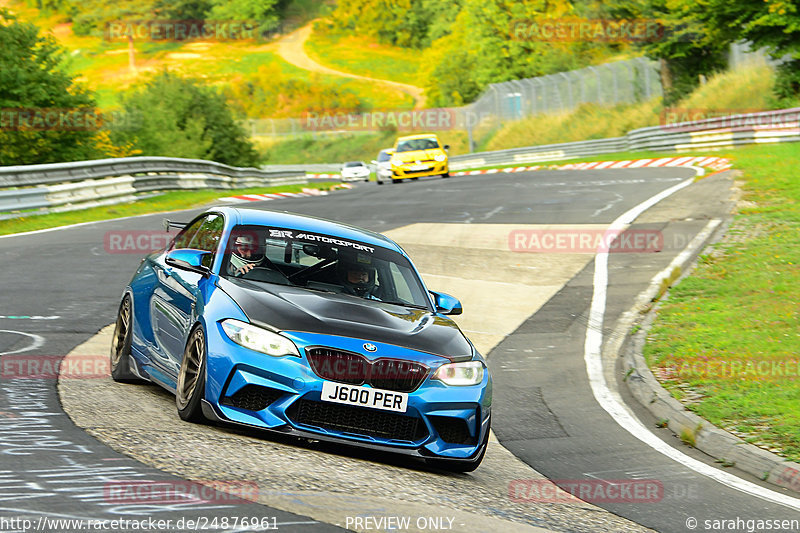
[{"x": 291, "y": 49}]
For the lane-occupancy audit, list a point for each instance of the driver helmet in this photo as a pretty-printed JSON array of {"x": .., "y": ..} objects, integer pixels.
[
  {"x": 245, "y": 250},
  {"x": 358, "y": 278}
]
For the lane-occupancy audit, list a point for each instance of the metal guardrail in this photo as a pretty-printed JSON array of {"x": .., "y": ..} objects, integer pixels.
[
  {"x": 82, "y": 184},
  {"x": 534, "y": 154}
]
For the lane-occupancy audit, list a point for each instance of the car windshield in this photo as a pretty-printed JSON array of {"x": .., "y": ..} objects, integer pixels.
[
  {"x": 417, "y": 144},
  {"x": 383, "y": 157},
  {"x": 322, "y": 263},
  {"x": 352, "y": 164}
]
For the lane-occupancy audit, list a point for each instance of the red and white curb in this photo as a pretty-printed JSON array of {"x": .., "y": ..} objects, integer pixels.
[
  {"x": 277, "y": 195},
  {"x": 716, "y": 164},
  {"x": 335, "y": 176}
]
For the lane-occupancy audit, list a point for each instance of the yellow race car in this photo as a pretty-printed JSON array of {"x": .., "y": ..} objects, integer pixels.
[{"x": 419, "y": 155}]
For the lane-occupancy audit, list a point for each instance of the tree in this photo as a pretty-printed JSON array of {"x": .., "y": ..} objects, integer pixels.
[
  {"x": 33, "y": 83},
  {"x": 484, "y": 46},
  {"x": 773, "y": 24},
  {"x": 183, "y": 9},
  {"x": 181, "y": 117},
  {"x": 265, "y": 12},
  {"x": 686, "y": 49}
]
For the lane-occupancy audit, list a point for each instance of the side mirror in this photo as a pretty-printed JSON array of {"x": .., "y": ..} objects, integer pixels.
[
  {"x": 188, "y": 259},
  {"x": 446, "y": 146},
  {"x": 446, "y": 304},
  {"x": 374, "y": 162}
]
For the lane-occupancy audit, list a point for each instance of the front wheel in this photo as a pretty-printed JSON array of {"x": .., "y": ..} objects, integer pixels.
[
  {"x": 192, "y": 378},
  {"x": 446, "y": 175},
  {"x": 121, "y": 343}
]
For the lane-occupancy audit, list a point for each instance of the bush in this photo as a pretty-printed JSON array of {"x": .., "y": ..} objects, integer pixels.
[{"x": 180, "y": 117}]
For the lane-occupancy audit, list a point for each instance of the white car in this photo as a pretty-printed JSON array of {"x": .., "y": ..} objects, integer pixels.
[
  {"x": 355, "y": 171},
  {"x": 383, "y": 165}
]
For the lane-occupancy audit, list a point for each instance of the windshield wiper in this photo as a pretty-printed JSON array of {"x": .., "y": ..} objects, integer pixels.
[{"x": 405, "y": 304}]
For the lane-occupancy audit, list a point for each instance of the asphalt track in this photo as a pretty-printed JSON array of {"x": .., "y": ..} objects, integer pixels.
[{"x": 62, "y": 287}]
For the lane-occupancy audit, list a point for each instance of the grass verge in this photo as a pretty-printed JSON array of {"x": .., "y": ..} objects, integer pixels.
[
  {"x": 727, "y": 339},
  {"x": 360, "y": 55},
  {"x": 169, "y": 201}
]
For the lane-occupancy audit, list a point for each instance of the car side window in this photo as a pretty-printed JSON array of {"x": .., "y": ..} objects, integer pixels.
[
  {"x": 183, "y": 238},
  {"x": 208, "y": 236}
]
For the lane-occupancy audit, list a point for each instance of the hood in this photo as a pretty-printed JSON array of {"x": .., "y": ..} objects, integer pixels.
[
  {"x": 419, "y": 155},
  {"x": 294, "y": 309}
]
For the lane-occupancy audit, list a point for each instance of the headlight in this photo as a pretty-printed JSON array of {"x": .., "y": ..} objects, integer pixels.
[
  {"x": 469, "y": 373},
  {"x": 440, "y": 158},
  {"x": 258, "y": 339}
]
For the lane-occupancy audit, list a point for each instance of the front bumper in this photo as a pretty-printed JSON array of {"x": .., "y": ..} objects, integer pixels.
[
  {"x": 432, "y": 168},
  {"x": 284, "y": 395}
]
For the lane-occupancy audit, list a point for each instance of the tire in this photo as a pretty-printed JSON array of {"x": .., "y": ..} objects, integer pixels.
[
  {"x": 379, "y": 182},
  {"x": 414, "y": 179},
  {"x": 462, "y": 466},
  {"x": 395, "y": 180},
  {"x": 121, "y": 344},
  {"x": 192, "y": 378},
  {"x": 446, "y": 175}
]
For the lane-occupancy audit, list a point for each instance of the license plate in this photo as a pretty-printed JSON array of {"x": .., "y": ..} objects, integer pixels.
[
  {"x": 418, "y": 167},
  {"x": 387, "y": 400}
]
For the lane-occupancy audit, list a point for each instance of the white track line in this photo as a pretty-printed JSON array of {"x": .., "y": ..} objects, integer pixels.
[
  {"x": 37, "y": 341},
  {"x": 613, "y": 404}
]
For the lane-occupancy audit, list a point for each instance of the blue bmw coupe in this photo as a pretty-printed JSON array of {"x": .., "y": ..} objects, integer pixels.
[{"x": 309, "y": 328}]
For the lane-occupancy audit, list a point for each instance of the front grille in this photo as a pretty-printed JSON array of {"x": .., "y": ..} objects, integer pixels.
[
  {"x": 252, "y": 397},
  {"x": 358, "y": 421},
  {"x": 344, "y": 367},
  {"x": 452, "y": 430},
  {"x": 397, "y": 375},
  {"x": 355, "y": 369}
]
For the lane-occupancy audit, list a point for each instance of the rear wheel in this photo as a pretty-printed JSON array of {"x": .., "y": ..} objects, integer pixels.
[
  {"x": 192, "y": 378},
  {"x": 121, "y": 343}
]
